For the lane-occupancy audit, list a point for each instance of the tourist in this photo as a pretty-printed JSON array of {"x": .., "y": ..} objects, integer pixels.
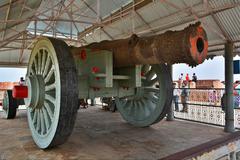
[
  {"x": 194, "y": 78},
  {"x": 180, "y": 80},
  {"x": 187, "y": 77},
  {"x": 184, "y": 97},
  {"x": 22, "y": 81},
  {"x": 212, "y": 95},
  {"x": 180, "y": 77},
  {"x": 176, "y": 94}
]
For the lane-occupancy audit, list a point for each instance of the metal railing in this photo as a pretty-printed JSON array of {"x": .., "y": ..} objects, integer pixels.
[{"x": 204, "y": 105}]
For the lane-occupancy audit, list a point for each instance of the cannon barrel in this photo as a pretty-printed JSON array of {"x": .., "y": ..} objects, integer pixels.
[{"x": 189, "y": 45}]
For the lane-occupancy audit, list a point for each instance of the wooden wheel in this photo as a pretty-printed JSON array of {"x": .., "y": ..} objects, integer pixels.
[
  {"x": 53, "y": 92},
  {"x": 150, "y": 104},
  {"x": 9, "y": 105}
]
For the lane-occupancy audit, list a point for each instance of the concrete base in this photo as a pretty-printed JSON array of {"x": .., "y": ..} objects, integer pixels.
[{"x": 104, "y": 135}]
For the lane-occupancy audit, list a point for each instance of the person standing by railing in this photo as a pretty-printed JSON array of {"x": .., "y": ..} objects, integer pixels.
[
  {"x": 180, "y": 79},
  {"x": 187, "y": 77},
  {"x": 176, "y": 94},
  {"x": 187, "y": 80},
  {"x": 194, "y": 78},
  {"x": 184, "y": 96},
  {"x": 212, "y": 95}
]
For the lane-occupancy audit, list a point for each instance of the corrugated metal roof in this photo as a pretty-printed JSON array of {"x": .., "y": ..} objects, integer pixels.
[
  {"x": 15, "y": 10},
  {"x": 220, "y": 18}
]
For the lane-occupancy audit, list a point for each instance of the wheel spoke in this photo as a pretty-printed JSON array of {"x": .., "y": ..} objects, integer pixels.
[
  {"x": 43, "y": 61},
  {"x": 129, "y": 106},
  {"x": 141, "y": 111},
  {"x": 151, "y": 82},
  {"x": 42, "y": 122},
  {"x": 134, "y": 107},
  {"x": 145, "y": 104},
  {"x": 145, "y": 68},
  {"x": 50, "y": 87},
  {"x": 147, "y": 111},
  {"x": 38, "y": 120},
  {"x": 35, "y": 65},
  {"x": 150, "y": 89},
  {"x": 151, "y": 97},
  {"x": 47, "y": 65},
  {"x": 49, "y": 110},
  {"x": 46, "y": 118},
  {"x": 123, "y": 102},
  {"x": 150, "y": 75},
  {"x": 39, "y": 61},
  {"x": 49, "y": 75},
  {"x": 50, "y": 98},
  {"x": 31, "y": 71},
  {"x": 34, "y": 116},
  {"x": 151, "y": 106},
  {"x": 131, "y": 111}
]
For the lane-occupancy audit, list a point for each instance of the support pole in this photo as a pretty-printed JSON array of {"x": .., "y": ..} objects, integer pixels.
[
  {"x": 92, "y": 102},
  {"x": 229, "y": 116},
  {"x": 170, "y": 115}
]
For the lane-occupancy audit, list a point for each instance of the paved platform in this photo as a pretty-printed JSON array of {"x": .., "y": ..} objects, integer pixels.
[{"x": 104, "y": 135}]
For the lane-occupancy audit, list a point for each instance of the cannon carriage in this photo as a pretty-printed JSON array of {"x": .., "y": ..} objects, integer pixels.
[{"x": 126, "y": 69}]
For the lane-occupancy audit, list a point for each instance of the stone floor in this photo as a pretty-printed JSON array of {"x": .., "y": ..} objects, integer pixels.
[{"x": 104, "y": 135}]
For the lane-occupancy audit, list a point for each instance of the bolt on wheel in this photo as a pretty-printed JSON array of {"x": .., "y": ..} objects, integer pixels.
[
  {"x": 151, "y": 102},
  {"x": 53, "y": 95}
]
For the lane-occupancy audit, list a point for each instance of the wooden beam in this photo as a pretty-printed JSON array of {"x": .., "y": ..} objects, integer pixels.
[
  {"x": 13, "y": 65},
  {"x": 6, "y": 18},
  {"x": 119, "y": 14}
]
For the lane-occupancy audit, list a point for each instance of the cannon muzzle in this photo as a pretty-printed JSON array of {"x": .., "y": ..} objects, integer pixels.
[{"x": 189, "y": 45}]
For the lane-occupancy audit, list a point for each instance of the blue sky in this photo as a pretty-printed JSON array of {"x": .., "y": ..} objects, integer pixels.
[
  {"x": 210, "y": 69},
  {"x": 12, "y": 74}
]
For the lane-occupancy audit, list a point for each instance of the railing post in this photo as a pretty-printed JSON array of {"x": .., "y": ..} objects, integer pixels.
[
  {"x": 229, "y": 109},
  {"x": 170, "y": 115}
]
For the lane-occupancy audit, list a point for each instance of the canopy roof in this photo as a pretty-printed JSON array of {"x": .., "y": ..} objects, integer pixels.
[{"x": 80, "y": 22}]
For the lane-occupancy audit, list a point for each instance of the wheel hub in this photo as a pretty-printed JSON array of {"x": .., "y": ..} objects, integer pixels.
[{"x": 36, "y": 91}]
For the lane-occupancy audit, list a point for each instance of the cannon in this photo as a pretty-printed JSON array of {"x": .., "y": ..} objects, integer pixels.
[{"x": 129, "y": 70}]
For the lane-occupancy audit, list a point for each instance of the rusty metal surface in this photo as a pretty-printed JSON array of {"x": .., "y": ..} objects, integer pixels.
[{"x": 186, "y": 46}]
